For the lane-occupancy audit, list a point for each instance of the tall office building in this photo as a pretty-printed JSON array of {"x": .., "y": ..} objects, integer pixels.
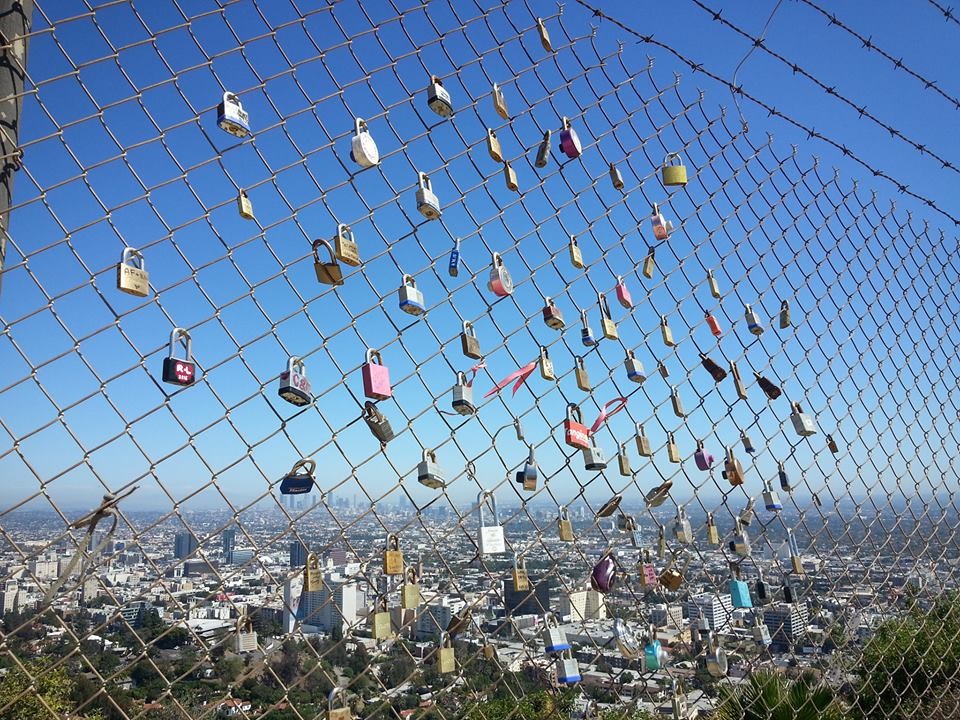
[
  {"x": 298, "y": 554},
  {"x": 787, "y": 622},
  {"x": 229, "y": 540},
  {"x": 434, "y": 617},
  {"x": 716, "y": 609},
  {"x": 582, "y": 605},
  {"x": 333, "y": 605},
  {"x": 184, "y": 544},
  {"x": 535, "y": 601}
]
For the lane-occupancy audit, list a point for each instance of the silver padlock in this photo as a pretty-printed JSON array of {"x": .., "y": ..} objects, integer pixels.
[
  {"x": 491, "y": 540},
  {"x": 438, "y": 99},
  {"x": 554, "y": 638},
  {"x": 427, "y": 203},
  {"x": 294, "y": 385},
  {"x": 411, "y": 299},
  {"x": 634, "y": 367},
  {"x": 363, "y": 150},
  {"x": 530, "y": 473},
  {"x": 429, "y": 473},
  {"x": 463, "y": 396},
  {"x": 231, "y": 117},
  {"x": 377, "y": 422},
  {"x": 761, "y": 633},
  {"x": 567, "y": 668},
  {"x": 500, "y": 282},
  {"x": 753, "y": 321},
  {"x": 543, "y": 153},
  {"x": 716, "y": 658},
  {"x": 771, "y": 500},
  {"x": 682, "y": 530},
  {"x": 593, "y": 457},
  {"x": 615, "y": 177},
  {"x": 748, "y": 513},
  {"x": 802, "y": 422},
  {"x": 132, "y": 276}
]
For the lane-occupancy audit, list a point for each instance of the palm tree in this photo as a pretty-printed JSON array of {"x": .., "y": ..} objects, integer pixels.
[{"x": 769, "y": 696}]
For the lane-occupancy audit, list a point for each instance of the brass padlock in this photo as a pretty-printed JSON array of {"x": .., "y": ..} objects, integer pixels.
[
  {"x": 410, "y": 596},
  {"x": 381, "y": 626},
  {"x": 674, "y": 171},
  {"x": 672, "y": 578},
  {"x": 649, "y": 263},
  {"x": 244, "y": 206},
  {"x": 666, "y": 332},
  {"x": 576, "y": 256},
  {"x": 499, "y": 102},
  {"x": 493, "y": 146},
  {"x": 580, "y": 372},
  {"x": 607, "y": 325},
  {"x": 738, "y": 381},
  {"x": 623, "y": 460},
  {"x": 469, "y": 342},
  {"x": 446, "y": 658},
  {"x": 337, "y": 696},
  {"x": 544, "y": 35},
  {"x": 346, "y": 247},
  {"x": 673, "y": 452},
  {"x": 643, "y": 442},
  {"x": 713, "y": 535},
  {"x": 132, "y": 276},
  {"x": 521, "y": 581},
  {"x": 675, "y": 401},
  {"x": 713, "y": 285},
  {"x": 546, "y": 365},
  {"x": 392, "y": 556},
  {"x": 328, "y": 273},
  {"x": 564, "y": 525},
  {"x": 312, "y": 576},
  {"x": 510, "y": 178},
  {"x": 489, "y": 651}
]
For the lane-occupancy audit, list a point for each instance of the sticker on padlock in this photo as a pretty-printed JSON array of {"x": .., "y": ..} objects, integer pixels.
[
  {"x": 377, "y": 422},
  {"x": 521, "y": 580},
  {"x": 410, "y": 298},
  {"x": 643, "y": 442},
  {"x": 769, "y": 388},
  {"x": 175, "y": 370},
  {"x": 294, "y": 386},
  {"x": 231, "y": 117},
  {"x": 623, "y": 294},
  {"x": 530, "y": 473},
  {"x": 427, "y": 203},
  {"x": 393, "y": 556},
  {"x": 363, "y": 149},
  {"x": 607, "y": 326},
  {"x": 666, "y": 332},
  {"x": 543, "y": 153},
  {"x": 567, "y": 669},
  {"x": 753, "y": 321},
  {"x": 659, "y": 495},
  {"x": 453, "y": 266},
  {"x": 491, "y": 540},
  {"x": 552, "y": 316},
  {"x": 713, "y": 324},
  {"x": 429, "y": 472},
  {"x": 570, "y": 144},
  {"x": 738, "y": 381},
  {"x": 338, "y": 697},
  {"x": 586, "y": 332},
  {"x": 469, "y": 342},
  {"x": 500, "y": 282},
  {"x": 615, "y": 177},
  {"x": 312, "y": 575},
  {"x": 647, "y": 572},
  {"x": 132, "y": 276},
  {"x": 650, "y": 262},
  {"x": 345, "y": 246},
  {"x": 576, "y": 255},
  {"x": 603, "y": 577},
  {"x": 493, "y": 146},
  {"x": 410, "y": 595},
  {"x": 739, "y": 590},
  {"x": 623, "y": 461},
  {"x": 580, "y": 373},
  {"x": 544, "y": 35},
  {"x": 299, "y": 480},
  {"x": 702, "y": 457},
  {"x": 803, "y": 423},
  {"x": 634, "y": 368},
  {"x": 438, "y": 99},
  {"x": 546, "y": 365},
  {"x": 244, "y": 205},
  {"x": 732, "y": 469},
  {"x": 673, "y": 171},
  {"x": 716, "y": 372},
  {"x": 446, "y": 657},
  {"x": 682, "y": 529},
  {"x": 594, "y": 459},
  {"x": 713, "y": 535},
  {"x": 510, "y": 178},
  {"x": 564, "y": 524},
  {"x": 500, "y": 102},
  {"x": 576, "y": 434},
  {"x": 554, "y": 638},
  {"x": 771, "y": 500},
  {"x": 376, "y": 377},
  {"x": 328, "y": 273},
  {"x": 661, "y": 226}
]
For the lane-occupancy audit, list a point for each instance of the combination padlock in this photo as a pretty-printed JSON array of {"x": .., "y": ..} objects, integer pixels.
[
  {"x": 294, "y": 385},
  {"x": 530, "y": 473},
  {"x": 634, "y": 368},
  {"x": 429, "y": 472},
  {"x": 393, "y": 556},
  {"x": 643, "y": 442},
  {"x": 463, "y": 396},
  {"x": 299, "y": 480},
  {"x": 363, "y": 150},
  {"x": 564, "y": 524},
  {"x": 244, "y": 205},
  {"x": 661, "y": 226},
  {"x": 569, "y": 141},
  {"x": 607, "y": 326},
  {"x": 376, "y": 377},
  {"x": 732, "y": 469},
  {"x": 650, "y": 262},
  {"x": 703, "y": 459},
  {"x": 580, "y": 373},
  {"x": 615, "y": 177},
  {"x": 500, "y": 282},
  {"x": 674, "y": 172},
  {"x": 784, "y": 314},
  {"x": 769, "y": 389},
  {"x": 593, "y": 458},
  {"x": 500, "y": 102},
  {"x": 231, "y": 117},
  {"x": 543, "y": 153},
  {"x": 753, "y": 321},
  {"x": 491, "y": 540},
  {"x": 438, "y": 99},
  {"x": 345, "y": 246},
  {"x": 544, "y": 35},
  {"x": 552, "y": 315},
  {"x": 493, "y": 146},
  {"x": 132, "y": 276},
  {"x": 175, "y": 370},
  {"x": 576, "y": 255},
  {"x": 575, "y": 433},
  {"x": 603, "y": 577},
  {"x": 803, "y": 423},
  {"x": 411, "y": 299},
  {"x": 716, "y": 372},
  {"x": 377, "y": 422},
  {"x": 586, "y": 332},
  {"x": 713, "y": 285},
  {"x": 666, "y": 332},
  {"x": 546, "y": 365},
  {"x": 510, "y": 178},
  {"x": 453, "y": 266},
  {"x": 713, "y": 324},
  {"x": 328, "y": 273},
  {"x": 427, "y": 203},
  {"x": 469, "y": 342},
  {"x": 623, "y": 294},
  {"x": 771, "y": 500}
]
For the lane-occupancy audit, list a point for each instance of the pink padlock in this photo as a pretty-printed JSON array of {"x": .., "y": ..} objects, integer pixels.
[
  {"x": 623, "y": 294},
  {"x": 703, "y": 459},
  {"x": 376, "y": 377},
  {"x": 570, "y": 141},
  {"x": 661, "y": 227},
  {"x": 500, "y": 282}
]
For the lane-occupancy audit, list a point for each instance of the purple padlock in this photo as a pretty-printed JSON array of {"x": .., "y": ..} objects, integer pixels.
[
  {"x": 570, "y": 141},
  {"x": 703, "y": 459},
  {"x": 604, "y": 575}
]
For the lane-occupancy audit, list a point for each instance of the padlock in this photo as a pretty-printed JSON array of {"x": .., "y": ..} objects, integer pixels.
[
  {"x": 244, "y": 205},
  {"x": 661, "y": 543},
  {"x": 716, "y": 372},
  {"x": 673, "y": 450},
  {"x": 816, "y": 499},
  {"x": 469, "y": 342},
  {"x": 580, "y": 372},
  {"x": 603, "y": 577},
  {"x": 338, "y": 713},
  {"x": 790, "y": 594},
  {"x": 546, "y": 365},
  {"x": 636, "y": 533},
  {"x": 675, "y": 402},
  {"x": 761, "y": 633},
  {"x": 627, "y": 642},
  {"x": 575, "y": 433},
  {"x": 489, "y": 651},
  {"x": 738, "y": 381},
  {"x": 294, "y": 385},
  {"x": 741, "y": 540},
  {"x": 784, "y": 314},
  {"x": 460, "y": 622},
  {"x": 796, "y": 561},
  {"x": 678, "y": 702},
  {"x": 544, "y": 35},
  {"x": 345, "y": 246},
  {"x": 429, "y": 472},
  {"x": 753, "y": 321},
  {"x": 132, "y": 275},
  {"x": 771, "y": 501},
  {"x": 363, "y": 150},
  {"x": 623, "y": 460},
  {"x": 716, "y": 658},
  {"x": 593, "y": 458},
  {"x": 650, "y": 262},
  {"x": 569, "y": 141},
  {"x": 438, "y": 99},
  {"x": 634, "y": 367},
  {"x": 702, "y": 458},
  {"x": 312, "y": 575},
  {"x": 682, "y": 530},
  {"x": 491, "y": 539},
  {"x": 672, "y": 578},
  {"x": 453, "y": 266},
  {"x": 299, "y": 481},
  {"x": 493, "y": 146},
  {"x": 712, "y": 324},
  {"x": 576, "y": 255},
  {"x": 381, "y": 626},
  {"x": 732, "y": 469},
  {"x": 564, "y": 524},
  {"x": 768, "y": 387},
  {"x": 654, "y": 656},
  {"x": 624, "y": 522},
  {"x": 567, "y": 669},
  {"x": 661, "y": 226},
  {"x": 410, "y": 595},
  {"x": 802, "y": 422},
  {"x": 328, "y": 273},
  {"x": 739, "y": 590},
  {"x": 610, "y": 506},
  {"x": 643, "y": 443},
  {"x": 411, "y": 299},
  {"x": 713, "y": 285},
  {"x": 528, "y": 476},
  {"x": 662, "y": 368},
  {"x": 500, "y": 282},
  {"x": 666, "y": 332},
  {"x": 784, "y": 479},
  {"x": 446, "y": 657},
  {"x": 393, "y": 556},
  {"x": 623, "y": 294},
  {"x": 647, "y": 572},
  {"x": 377, "y": 422},
  {"x": 607, "y": 326},
  {"x": 231, "y": 117},
  {"x": 427, "y": 203},
  {"x": 510, "y": 178},
  {"x": 175, "y": 370},
  {"x": 376, "y": 377},
  {"x": 760, "y": 587},
  {"x": 747, "y": 443},
  {"x": 832, "y": 445},
  {"x": 674, "y": 172},
  {"x": 747, "y": 514},
  {"x": 521, "y": 581},
  {"x": 615, "y": 177},
  {"x": 713, "y": 535},
  {"x": 543, "y": 153},
  {"x": 552, "y": 315}
]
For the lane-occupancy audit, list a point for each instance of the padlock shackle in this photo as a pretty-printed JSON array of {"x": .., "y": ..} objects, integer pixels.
[
  {"x": 371, "y": 354},
  {"x": 549, "y": 619},
  {"x": 573, "y": 413},
  {"x": 670, "y": 157},
  {"x": 408, "y": 281},
  {"x": 565, "y": 123},
  {"x": 437, "y": 80},
  {"x": 573, "y": 241},
  {"x": 360, "y": 126},
  {"x": 496, "y": 259},
  {"x": 334, "y": 694},
  {"x": 481, "y": 497},
  {"x": 129, "y": 254},
  {"x": 423, "y": 180},
  {"x": 372, "y": 411},
  {"x": 532, "y": 456},
  {"x": 604, "y": 307},
  {"x": 578, "y": 361},
  {"x": 344, "y": 231},
  {"x": 469, "y": 328},
  {"x": 231, "y": 97},
  {"x": 296, "y": 361},
  {"x": 393, "y": 541},
  {"x": 562, "y": 513},
  {"x": 583, "y": 319},
  {"x": 491, "y": 134},
  {"x": 307, "y": 464},
  {"x": 411, "y": 575},
  {"x": 313, "y": 562},
  {"x": 317, "y": 243},
  {"x": 175, "y": 335},
  {"x": 461, "y": 378},
  {"x": 544, "y": 353},
  {"x": 429, "y": 456},
  {"x": 519, "y": 561}
]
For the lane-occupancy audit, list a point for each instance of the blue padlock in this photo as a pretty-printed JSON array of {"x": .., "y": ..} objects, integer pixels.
[
  {"x": 586, "y": 333},
  {"x": 740, "y": 592}
]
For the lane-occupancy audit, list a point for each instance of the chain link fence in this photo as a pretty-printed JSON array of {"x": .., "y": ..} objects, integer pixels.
[{"x": 271, "y": 290}]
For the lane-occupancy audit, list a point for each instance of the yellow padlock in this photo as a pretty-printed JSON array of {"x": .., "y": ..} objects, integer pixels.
[
  {"x": 674, "y": 171},
  {"x": 392, "y": 556},
  {"x": 338, "y": 713},
  {"x": 521, "y": 581},
  {"x": 446, "y": 658}
]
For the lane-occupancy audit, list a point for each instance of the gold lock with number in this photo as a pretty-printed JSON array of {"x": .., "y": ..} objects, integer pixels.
[
  {"x": 493, "y": 146},
  {"x": 576, "y": 256},
  {"x": 580, "y": 372},
  {"x": 244, "y": 206},
  {"x": 392, "y": 556},
  {"x": 649, "y": 263},
  {"x": 521, "y": 581},
  {"x": 312, "y": 576},
  {"x": 674, "y": 171},
  {"x": 381, "y": 626},
  {"x": 564, "y": 525},
  {"x": 499, "y": 102},
  {"x": 410, "y": 596},
  {"x": 337, "y": 696},
  {"x": 345, "y": 246},
  {"x": 446, "y": 658}
]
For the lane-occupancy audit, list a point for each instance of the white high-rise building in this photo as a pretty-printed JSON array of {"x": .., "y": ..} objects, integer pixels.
[
  {"x": 434, "y": 616},
  {"x": 335, "y": 604},
  {"x": 787, "y": 622},
  {"x": 715, "y": 608},
  {"x": 583, "y": 605}
]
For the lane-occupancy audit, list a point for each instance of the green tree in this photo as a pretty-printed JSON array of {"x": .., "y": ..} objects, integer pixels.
[
  {"x": 53, "y": 691},
  {"x": 769, "y": 696}
]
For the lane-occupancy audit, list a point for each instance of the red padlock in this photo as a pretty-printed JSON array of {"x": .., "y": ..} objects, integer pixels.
[
  {"x": 576, "y": 434},
  {"x": 623, "y": 294},
  {"x": 376, "y": 377},
  {"x": 713, "y": 325}
]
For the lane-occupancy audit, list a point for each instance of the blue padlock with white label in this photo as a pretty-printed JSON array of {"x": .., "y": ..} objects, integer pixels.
[
  {"x": 586, "y": 332},
  {"x": 453, "y": 267},
  {"x": 231, "y": 117}
]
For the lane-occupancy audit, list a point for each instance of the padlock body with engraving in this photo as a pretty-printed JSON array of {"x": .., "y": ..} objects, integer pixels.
[
  {"x": 492, "y": 540},
  {"x": 381, "y": 626},
  {"x": 231, "y": 117},
  {"x": 446, "y": 660},
  {"x": 410, "y": 596},
  {"x": 296, "y": 484},
  {"x": 295, "y": 387},
  {"x": 470, "y": 345},
  {"x": 131, "y": 279},
  {"x": 553, "y": 317},
  {"x": 179, "y": 372},
  {"x": 803, "y": 424},
  {"x": 427, "y": 203},
  {"x": 378, "y": 423},
  {"x": 593, "y": 458}
]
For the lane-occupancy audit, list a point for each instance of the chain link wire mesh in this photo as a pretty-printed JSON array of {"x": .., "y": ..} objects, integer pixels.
[{"x": 198, "y": 589}]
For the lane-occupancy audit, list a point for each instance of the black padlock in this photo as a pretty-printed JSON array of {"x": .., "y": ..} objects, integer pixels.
[{"x": 299, "y": 483}]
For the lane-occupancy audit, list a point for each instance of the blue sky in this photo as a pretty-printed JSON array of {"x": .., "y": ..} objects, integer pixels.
[{"x": 872, "y": 295}]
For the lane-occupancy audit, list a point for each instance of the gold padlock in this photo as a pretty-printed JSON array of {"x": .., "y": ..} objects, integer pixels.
[
  {"x": 738, "y": 381},
  {"x": 607, "y": 325},
  {"x": 328, "y": 273},
  {"x": 312, "y": 576},
  {"x": 346, "y": 247},
  {"x": 544, "y": 35},
  {"x": 673, "y": 452},
  {"x": 380, "y": 624},
  {"x": 623, "y": 460},
  {"x": 244, "y": 206},
  {"x": 446, "y": 658},
  {"x": 546, "y": 365},
  {"x": 666, "y": 332},
  {"x": 643, "y": 443},
  {"x": 671, "y": 578},
  {"x": 521, "y": 581},
  {"x": 713, "y": 535},
  {"x": 132, "y": 276},
  {"x": 499, "y": 102},
  {"x": 649, "y": 263},
  {"x": 392, "y": 556},
  {"x": 580, "y": 372},
  {"x": 510, "y": 177},
  {"x": 564, "y": 525},
  {"x": 489, "y": 651},
  {"x": 337, "y": 696},
  {"x": 673, "y": 170},
  {"x": 410, "y": 596},
  {"x": 576, "y": 256},
  {"x": 493, "y": 146}
]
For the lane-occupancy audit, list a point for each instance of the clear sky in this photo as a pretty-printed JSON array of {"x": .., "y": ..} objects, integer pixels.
[{"x": 122, "y": 148}]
